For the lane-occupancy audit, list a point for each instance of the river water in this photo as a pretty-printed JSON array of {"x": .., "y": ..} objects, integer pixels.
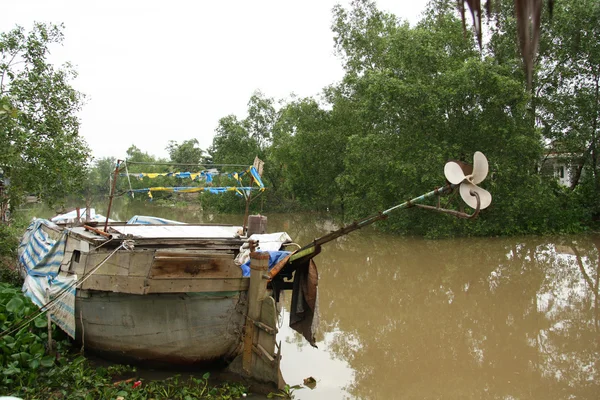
[{"x": 408, "y": 318}]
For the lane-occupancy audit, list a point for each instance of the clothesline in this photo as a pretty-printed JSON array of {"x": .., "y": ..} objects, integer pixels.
[{"x": 194, "y": 189}]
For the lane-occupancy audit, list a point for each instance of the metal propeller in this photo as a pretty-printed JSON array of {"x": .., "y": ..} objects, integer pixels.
[{"x": 468, "y": 177}]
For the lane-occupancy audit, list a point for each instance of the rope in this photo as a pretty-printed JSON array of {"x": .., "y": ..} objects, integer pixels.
[
  {"x": 108, "y": 241},
  {"x": 126, "y": 244},
  {"x": 187, "y": 165},
  {"x": 129, "y": 180}
]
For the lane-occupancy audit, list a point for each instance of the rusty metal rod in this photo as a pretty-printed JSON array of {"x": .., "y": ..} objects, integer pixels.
[
  {"x": 455, "y": 213},
  {"x": 98, "y": 231}
]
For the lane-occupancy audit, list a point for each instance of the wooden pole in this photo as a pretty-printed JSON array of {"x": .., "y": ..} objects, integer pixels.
[
  {"x": 247, "y": 211},
  {"x": 112, "y": 194},
  {"x": 259, "y": 263},
  {"x": 260, "y": 356},
  {"x": 49, "y": 316}
]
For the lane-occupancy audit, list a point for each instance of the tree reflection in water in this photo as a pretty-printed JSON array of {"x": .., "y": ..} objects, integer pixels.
[{"x": 510, "y": 318}]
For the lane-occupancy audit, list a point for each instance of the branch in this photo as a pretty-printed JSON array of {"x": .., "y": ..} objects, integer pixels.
[{"x": 4, "y": 72}]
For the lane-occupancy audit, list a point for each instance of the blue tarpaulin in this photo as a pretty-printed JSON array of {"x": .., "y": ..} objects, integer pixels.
[{"x": 274, "y": 258}]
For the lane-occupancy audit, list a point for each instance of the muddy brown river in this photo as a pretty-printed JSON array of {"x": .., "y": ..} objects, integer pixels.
[{"x": 409, "y": 318}]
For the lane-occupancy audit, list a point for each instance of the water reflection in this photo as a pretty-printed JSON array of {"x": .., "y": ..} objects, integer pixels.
[
  {"x": 498, "y": 318},
  {"x": 467, "y": 318}
]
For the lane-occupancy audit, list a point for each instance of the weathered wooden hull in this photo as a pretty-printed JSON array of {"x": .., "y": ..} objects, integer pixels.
[
  {"x": 175, "y": 301},
  {"x": 167, "y": 294},
  {"x": 182, "y": 329}
]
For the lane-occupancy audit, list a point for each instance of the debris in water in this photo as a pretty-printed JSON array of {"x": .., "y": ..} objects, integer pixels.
[{"x": 310, "y": 382}]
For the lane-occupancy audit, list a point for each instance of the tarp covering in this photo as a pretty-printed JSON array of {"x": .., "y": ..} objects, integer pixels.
[
  {"x": 147, "y": 220},
  {"x": 266, "y": 242},
  {"x": 71, "y": 217},
  {"x": 39, "y": 254},
  {"x": 255, "y": 177},
  {"x": 179, "y": 231},
  {"x": 274, "y": 258},
  {"x": 41, "y": 257}
]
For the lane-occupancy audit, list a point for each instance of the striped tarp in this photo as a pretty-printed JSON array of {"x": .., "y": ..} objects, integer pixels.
[
  {"x": 41, "y": 257},
  {"x": 39, "y": 254}
]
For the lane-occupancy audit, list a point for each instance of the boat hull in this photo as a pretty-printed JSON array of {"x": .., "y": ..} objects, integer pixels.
[{"x": 167, "y": 328}]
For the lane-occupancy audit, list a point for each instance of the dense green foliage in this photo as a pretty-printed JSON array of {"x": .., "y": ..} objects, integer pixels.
[
  {"x": 8, "y": 254},
  {"x": 41, "y": 150},
  {"x": 414, "y": 97},
  {"x": 187, "y": 152},
  {"x": 568, "y": 89},
  {"x": 23, "y": 352}
]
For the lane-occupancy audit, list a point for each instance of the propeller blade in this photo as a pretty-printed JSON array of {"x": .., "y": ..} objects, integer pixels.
[
  {"x": 480, "y": 167},
  {"x": 454, "y": 173},
  {"x": 485, "y": 198}
]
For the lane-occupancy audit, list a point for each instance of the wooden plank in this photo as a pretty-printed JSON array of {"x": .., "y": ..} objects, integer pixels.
[
  {"x": 204, "y": 243},
  {"x": 266, "y": 365},
  {"x": 259, "y": 263},
  {"x": 140, "y": 262},
  {"x": 79, "y": 268},
  {"x": 117, "y": 265},
  {"x": 94, "y": 241},
  {"x": 183, "y": 245},
  {"x": 265, "y": 328},
  {"x": 142, "y": 285},
  {"x": 191, "y": 252},
  {"x": 171, "y": 265},
  {"x": 268, "y": 314},
  {"x": 197, "y": 285},
  {"x": 264, "y": 354},
  {"x": 247, "y": 351},
  {"x": 119, "y": 284}
]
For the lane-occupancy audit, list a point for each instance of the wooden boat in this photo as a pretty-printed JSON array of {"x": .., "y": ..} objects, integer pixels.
[{"x": 175, "y": 297}]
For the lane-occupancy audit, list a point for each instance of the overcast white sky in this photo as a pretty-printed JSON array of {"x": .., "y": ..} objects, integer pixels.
[{"x": 158, "y": 71}]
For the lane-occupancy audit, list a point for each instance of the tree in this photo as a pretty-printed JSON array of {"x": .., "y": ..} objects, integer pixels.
[
  {"x": 141, "y": 161},
  {"x": 239, "y": 141},
  {"x": 187, "y": 152},
  {"x": 307, "y": 155},
  {"x": 569, "y": 93},
  {"x": 232, "y": 143},
  {"x": 42, "y": 151},
  {"x": 260, "y": 120},
  {"x": 420, "y": 96},
  {"x": 99, "y": 177}
]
